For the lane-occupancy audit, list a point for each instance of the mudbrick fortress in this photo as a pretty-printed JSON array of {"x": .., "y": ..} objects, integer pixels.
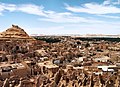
[{"x": 57, "y": 61}]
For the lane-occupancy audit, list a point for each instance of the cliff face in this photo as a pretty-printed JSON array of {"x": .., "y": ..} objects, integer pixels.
[{"x": 15, "y": 32}]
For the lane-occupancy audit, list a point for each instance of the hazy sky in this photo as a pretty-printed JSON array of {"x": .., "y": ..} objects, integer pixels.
[{"x": 61, "y": 16}]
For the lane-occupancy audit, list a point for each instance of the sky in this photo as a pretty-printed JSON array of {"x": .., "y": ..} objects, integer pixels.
[{"x": 57, "y": 17}]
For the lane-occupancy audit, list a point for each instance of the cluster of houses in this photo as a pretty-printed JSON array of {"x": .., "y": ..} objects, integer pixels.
[{"x": 68, "y": 63}]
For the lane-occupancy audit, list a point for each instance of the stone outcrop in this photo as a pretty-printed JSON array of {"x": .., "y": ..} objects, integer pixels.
[{"x": 15, "y": 33}]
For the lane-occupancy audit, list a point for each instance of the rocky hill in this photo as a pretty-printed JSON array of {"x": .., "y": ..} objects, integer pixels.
[{"x": 15, "y": 33}]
